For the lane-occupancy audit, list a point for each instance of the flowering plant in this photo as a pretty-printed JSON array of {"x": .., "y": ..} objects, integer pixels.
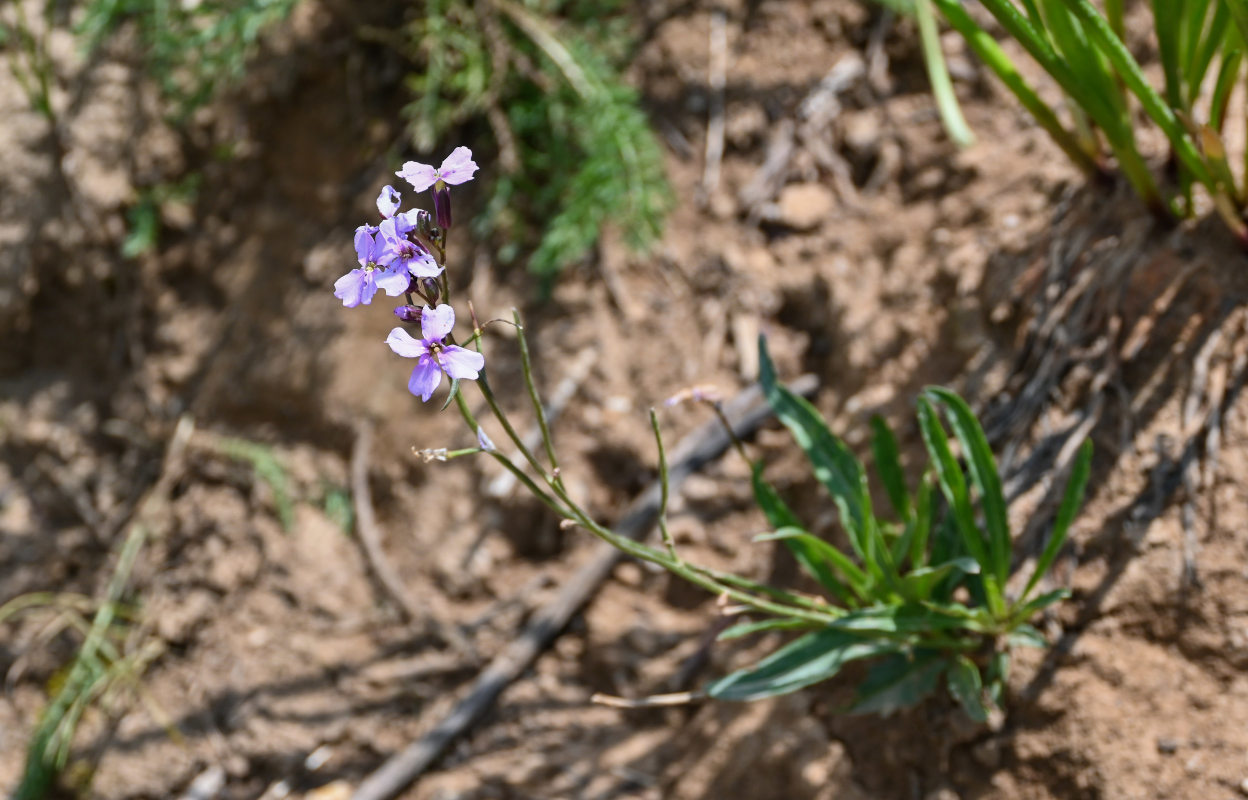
[{"x": 922, "y": 592}]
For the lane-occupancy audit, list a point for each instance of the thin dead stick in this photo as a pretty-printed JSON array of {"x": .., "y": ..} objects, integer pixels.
[
  {"x": 653, "y": 701},
  {"x": 746, "y": 412},
  {"x": 369, "y": 532},
  {"x": 715, "y": 124}
]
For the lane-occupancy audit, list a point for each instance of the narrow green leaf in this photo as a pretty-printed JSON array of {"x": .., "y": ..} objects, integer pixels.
[
  {"x": 988, "y": 51},
  {"x": 917, "y": 585},
  {"x": 903, "y": 619},
  {"x": 899, "y": 681},
  {"x": 888, "y": 464},
  {"x": 1166, "y": 27},
  {"x": 834, "y": 465},
  {"x": 819, "y": 559},
  {"x": 1039, "y": 603},
  {"x": 983, "y": 474},
  {"x": 967, "y": 687},
  {"x": 996, "y": 677},
  {"x": 1027, "y": 636},
  {"x": 1223, "y": 85},
  {"x": 922, "y": 524},
  {"x": 938, "y": 75},
  {"x": 746, "y": 628},
  {"x": 1072, "y": 499},
  {"x": 806, "y": 660},
  {"x": 782, "y": 517},
  {"x": 953, "y": 484},
  {"x": 1103, "y": 37}
]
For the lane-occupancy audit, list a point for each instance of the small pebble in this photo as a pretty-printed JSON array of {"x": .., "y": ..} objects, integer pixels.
[{"x": 1167, "y": 746}]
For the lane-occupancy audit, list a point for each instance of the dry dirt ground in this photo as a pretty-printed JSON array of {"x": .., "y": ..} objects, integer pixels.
[{"x": 873, "y": 253}]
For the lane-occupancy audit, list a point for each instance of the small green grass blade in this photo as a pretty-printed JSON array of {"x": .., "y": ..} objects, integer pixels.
[
  {"x": 888, "y": 465},
  {"x": 1072, "y": 499},
  {"x": 984, "y": 475}
]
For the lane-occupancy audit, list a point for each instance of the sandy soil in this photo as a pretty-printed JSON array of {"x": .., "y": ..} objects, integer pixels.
[{"x": 877, "y": 256}]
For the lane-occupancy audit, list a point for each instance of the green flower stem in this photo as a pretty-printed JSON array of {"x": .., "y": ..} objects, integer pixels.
[
  {"x": 528, "y": 482},
  {"x": 527, "y": 363},
  {"x": 729, "y": 578},
  {"x": 663, "y": 487},
  {"x": 988, "y": 51},
  {"x": 483, "y": 384}
]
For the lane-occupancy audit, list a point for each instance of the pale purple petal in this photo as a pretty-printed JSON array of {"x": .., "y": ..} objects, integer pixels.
[
  {"x": 388, "y": 201},
  {"x": 458, "y": 167},
  {"x": 405, "y": 344},
  {"x": 364, "y": 244},
  {"x": 411, "y": 219},
  {"x": 436, "y": 323},
  {"x": 425, "y": 378},
  {"x": 420, "y": 176},
  {"x": 355, "y": 287},
  {"x": 424, "y": 266},
  {"x": 393, "y": 280},
  {"x": 484, "y": 441},
  {"x": 461, "y": 363}
]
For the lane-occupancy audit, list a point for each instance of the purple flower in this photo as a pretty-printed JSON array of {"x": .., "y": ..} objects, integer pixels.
[
  {"x": 432, "y": 356},
  {"x": 388, "y": 259},
  {"x": 456, "y": 169},
  {"x": 412, "y": 257},
  {"x": 376, "y": 271}
]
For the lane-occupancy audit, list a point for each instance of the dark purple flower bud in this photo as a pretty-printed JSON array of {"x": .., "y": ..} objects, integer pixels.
[
  {"x": 442, "y": 204},
  {"x": 407, "y": 313},
  {"x": 431, "y": 289}
]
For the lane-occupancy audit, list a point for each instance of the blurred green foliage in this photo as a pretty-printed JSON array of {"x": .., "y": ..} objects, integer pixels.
[
  {"x": 575, "y": 151},
  {"x": 192, "y": 49}
]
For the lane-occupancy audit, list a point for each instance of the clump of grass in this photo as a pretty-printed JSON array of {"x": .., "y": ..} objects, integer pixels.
[
  {"x": 575, "y": 149},
  {"x": 1201, "y": 47},
  {"x": 108, "y": 667}
]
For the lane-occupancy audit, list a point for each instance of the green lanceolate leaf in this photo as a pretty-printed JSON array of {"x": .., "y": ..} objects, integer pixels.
[
  {"x": 967, "y": 687},
  {"x": 834, "y": 465},
  {"x": 983, "y": 474},
  {"x": 917, "y": 585},
  {"x": 747, "y": 628},
  {"x": 806, "y": 660},
  {"x": 1072, "y": 499},
  {"x": 907, "y": 619},
  {"x": 1029, "y": 609},
  {"x": 1027, "y": 636},
  {"x": 953, "y": 484},
  {"x": 808, "y": 553},
  {"x": 822, "y": 561},
  {"x": 888, "y": 464},
  {"x": 899, "y": 681}
]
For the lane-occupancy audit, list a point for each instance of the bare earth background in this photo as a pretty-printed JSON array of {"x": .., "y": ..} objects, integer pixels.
[{"x": 876, "y": 256}]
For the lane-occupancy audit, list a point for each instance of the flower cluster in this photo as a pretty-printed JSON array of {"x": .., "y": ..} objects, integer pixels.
[{"x": 397, "y": 257}]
